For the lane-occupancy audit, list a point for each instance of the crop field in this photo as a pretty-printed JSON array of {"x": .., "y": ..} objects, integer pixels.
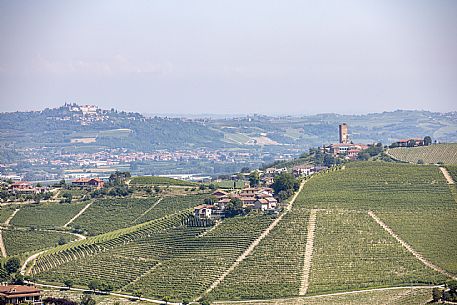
[
  {"x": 108, "y": 215},
  {"x": 144, "y": 245},
  {"x": 160, "y": 258},
  {"x": 452, "y": 169},
  {"x": 6, "y": 211},
  {"x": 445, "y": 153},
  {"x": 352, "y": 252},
  {"x": 403, "y": 296},
  {"x": 229, "y": 184},
  {"x": 21, "y": 241},
  {"x": 413, "y": 200},
  {"x": 46, "y": 215},
  {"x": 237, "y": 138},
  {"x": 157, "y": 180},
  {"x": 273, "y": 270}
]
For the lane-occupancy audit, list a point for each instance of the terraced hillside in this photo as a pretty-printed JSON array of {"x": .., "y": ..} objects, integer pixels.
[
  {"x": 445, "y": 153},
  {"x": 351, "y": 250},
  {"x": 366, "y": 226}
]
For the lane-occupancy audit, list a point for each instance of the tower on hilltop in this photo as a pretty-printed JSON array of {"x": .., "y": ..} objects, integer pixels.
[{"x": 344, "y": 137}]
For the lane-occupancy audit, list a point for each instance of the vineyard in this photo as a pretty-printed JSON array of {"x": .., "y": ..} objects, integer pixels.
[
  {"x": 146, "y": 245},
  {"x": 160, "y": 257},
  {"x": 444, "y": 153},
  {"x": 47, "y": 215},
  {"x": 404, "y": 296},
  {"x": 27, "y": 241},
  {"x": 273, "y": 270},
  {"x": 108, "y": 215}
]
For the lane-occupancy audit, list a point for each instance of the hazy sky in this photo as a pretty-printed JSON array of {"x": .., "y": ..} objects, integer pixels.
[{"x": 213, "y": 56}]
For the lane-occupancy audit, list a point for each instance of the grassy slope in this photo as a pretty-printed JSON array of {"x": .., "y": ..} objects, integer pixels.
[{"x": 156, "y": 180}]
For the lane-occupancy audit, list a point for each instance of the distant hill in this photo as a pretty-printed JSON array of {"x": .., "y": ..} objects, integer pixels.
[
  {"x": 444, "y": 153},
  {"x": 92, "y": 128}
]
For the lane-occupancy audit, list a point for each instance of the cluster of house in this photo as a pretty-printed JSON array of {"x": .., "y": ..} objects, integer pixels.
[
  {"x": 256, "y": 198},
  {"x": 20, "y": 294},
  {"x": 348, "y": 150}
]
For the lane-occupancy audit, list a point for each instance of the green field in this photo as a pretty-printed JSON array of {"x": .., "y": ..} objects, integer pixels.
[
  {"x": 404, "y": 296},
  {"x": 110, "y": 214},
  {"x": 237, "y": 138},
  {"x": 229, "y": 184},
  {"x": 156, "y": 180},
  {"x": 143, "y": 244},
  {"x": 21, "y": 241},
  {"x": 444, "y": 153},
  {"x": 46, "y": 215}
]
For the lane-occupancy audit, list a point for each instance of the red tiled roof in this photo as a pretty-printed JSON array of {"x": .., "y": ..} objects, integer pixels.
[{"x": 9, "y": 291}]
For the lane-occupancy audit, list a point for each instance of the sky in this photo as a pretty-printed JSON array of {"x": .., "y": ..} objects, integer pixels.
[{"x": 230, "y": 57}]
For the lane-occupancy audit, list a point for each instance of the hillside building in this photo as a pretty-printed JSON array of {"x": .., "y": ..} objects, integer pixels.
[
  {"x": 93, "y": 182},
  {"x": 343, "y": 133},
  {"x": 19, "y": 294}
]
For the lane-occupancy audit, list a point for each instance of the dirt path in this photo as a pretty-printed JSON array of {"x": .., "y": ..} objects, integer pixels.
[
  {"x": 2, "y": 245},
  {"x": 422, "y": 259},
  {"x": 33, "y": 257},
  {"x": 139, "y": 278},
  {"x": 308, "y": 252},
  {"x": 148, "y": 210},
  {"x": 447, "y": 175},
  {"x": 79, "y": 214},
  {"x": 254, "y": 244},
  {"x": 7, "y": 222},
  {"x": 283, "y": 300},
  {"x": 132, "y": 297}
]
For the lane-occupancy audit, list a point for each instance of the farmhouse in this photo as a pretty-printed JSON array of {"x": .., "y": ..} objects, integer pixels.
[
  {"x": 96, "y": 182},
  {"x": 410, "y": 142},
  {"x": 18, "y": 294},
  {"x": 220, "y": 194},
  {"x": 203, "y": 211},
  {"x": 24, "y": 187}
]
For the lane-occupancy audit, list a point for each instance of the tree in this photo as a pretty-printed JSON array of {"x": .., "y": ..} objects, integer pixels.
[
  {"x": 285, "y": 182},
  {"x": 185, "y": 302},
  {"x": 87, "y": 300},
  {"x": 411, "y": 143},
  {"x": 436, "y": 294},
  {"x": 17, "y": 279},
  {"x": 420, "y": 161},
  {"x": 68, "y": 283},
  {"x": 166, "y": 299},
  {"x": 254, "y": 178},
  {"x": 427, "y": 141},
  {"x": 329, "y": 160},
  {"x": 93, "y": 285},
  {"x": 138, "y": 293},
  {"x": 210, "y": 200},
  {"x": 62, "y": 241},
  {"x": 12, "y": 265}
]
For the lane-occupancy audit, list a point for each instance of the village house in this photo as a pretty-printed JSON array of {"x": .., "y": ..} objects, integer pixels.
[
  {"x": 92, "y": 182},
  {"x": 19, "y": 294},
  {"x": 307, "y": 170},
  {"x": 203, "y": 211},
  {"x": 24, "y": 187}
]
